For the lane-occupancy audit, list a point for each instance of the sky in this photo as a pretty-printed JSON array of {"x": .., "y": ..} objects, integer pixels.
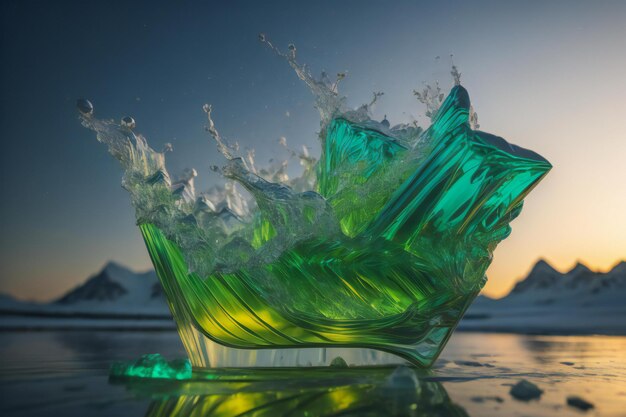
[{"x": 548, "y": 76}]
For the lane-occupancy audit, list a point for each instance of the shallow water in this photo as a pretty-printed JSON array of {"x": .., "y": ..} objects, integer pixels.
[{"x": 66, "y": 373}]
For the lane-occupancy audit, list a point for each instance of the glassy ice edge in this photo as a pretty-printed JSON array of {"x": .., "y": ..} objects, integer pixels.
[{"x": 223, "y": 231}]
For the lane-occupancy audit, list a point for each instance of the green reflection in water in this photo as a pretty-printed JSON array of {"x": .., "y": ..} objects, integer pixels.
[{"x": 378, "y": 391}]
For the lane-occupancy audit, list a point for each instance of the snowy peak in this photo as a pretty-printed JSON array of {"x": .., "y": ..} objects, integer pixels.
[
  {"x": 579, "y": 268},
  {"x": 98, "y": 288},
  {"x": 580, "y": 286},
  {"x": 542, "y": 266},
  {"x": 117, "y": 272},
  {"x": 116, "y": 284},
  {"x": 114, "y": 298},
  {"x": 618, "y": 269},
  {"x": 579, "y": 301},
  {"x": 542, "y": 275},
  {"x": 615, "y": 279}
]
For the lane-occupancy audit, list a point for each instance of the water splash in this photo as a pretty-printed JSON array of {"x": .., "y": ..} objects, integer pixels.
[
  {"x": 226, "y": 219},
  {"x": 382, "y": 243}
]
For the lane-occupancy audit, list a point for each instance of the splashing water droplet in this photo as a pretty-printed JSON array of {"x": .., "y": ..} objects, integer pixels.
[
  {"x": 128, "y": 122},
  {"x": 456, "y": 75},
  {"x": 84, "y": 106}
]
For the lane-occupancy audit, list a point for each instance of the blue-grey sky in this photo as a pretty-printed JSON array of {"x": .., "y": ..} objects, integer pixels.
[{"x": 545, "y": 75}]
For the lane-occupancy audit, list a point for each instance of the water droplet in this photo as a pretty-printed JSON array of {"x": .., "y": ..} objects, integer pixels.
[
  {"x": 128, "y": 122},
  {"x": 84, "y": 106}
]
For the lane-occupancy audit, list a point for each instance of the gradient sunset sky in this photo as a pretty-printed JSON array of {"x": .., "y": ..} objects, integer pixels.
[{"x": 549, "y": 76}]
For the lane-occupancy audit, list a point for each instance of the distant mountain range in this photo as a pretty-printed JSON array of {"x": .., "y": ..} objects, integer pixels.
[
  {"x": 114, "y": 298},
  {"x": 579, "y": 301}
]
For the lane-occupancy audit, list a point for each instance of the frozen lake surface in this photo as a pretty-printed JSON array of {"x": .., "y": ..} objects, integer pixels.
[{"x": 66, "y": 374}]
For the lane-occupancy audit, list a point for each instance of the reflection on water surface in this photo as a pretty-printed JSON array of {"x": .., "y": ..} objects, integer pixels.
[{"x": 45, "y": 373}]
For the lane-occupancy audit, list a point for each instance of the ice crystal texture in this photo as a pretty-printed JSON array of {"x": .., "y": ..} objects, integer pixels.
[{"x": 378, "y": 248}]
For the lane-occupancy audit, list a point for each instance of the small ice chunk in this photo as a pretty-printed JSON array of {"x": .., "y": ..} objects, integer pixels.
[
  {"x": 578, "y": 402},
  {"x": 525, "y": 391},
  {"x": 479, "y": 399},
  {"x": 338, "y": 362},
  {"x": 402, "y": 378},
  {"x": 473, "y": 364}
]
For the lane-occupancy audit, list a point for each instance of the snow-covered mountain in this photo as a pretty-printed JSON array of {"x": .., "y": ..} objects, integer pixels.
[
  {"x": 547, "y": 301},
  {"x": 578, "y": 287},
  {"x": 117, "y": 287},
  {"x": 115, "y": 297}
]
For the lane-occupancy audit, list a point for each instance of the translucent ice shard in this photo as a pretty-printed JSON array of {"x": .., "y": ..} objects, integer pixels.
[{"x": 385, "y": 254}]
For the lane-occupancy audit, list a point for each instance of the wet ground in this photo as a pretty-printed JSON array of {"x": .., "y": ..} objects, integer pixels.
[{"x": 66, "y": 374}]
